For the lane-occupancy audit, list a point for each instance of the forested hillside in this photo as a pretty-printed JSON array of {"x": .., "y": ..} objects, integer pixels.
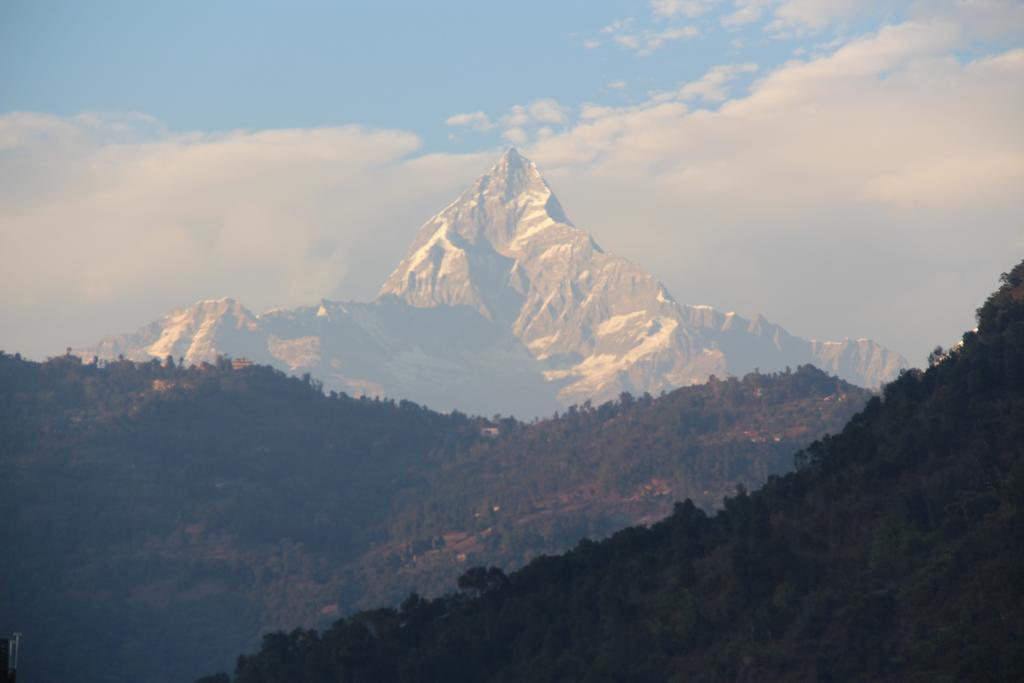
[
  {"x": 893, "y": 553},
  {"x": 158, "y": 519}
]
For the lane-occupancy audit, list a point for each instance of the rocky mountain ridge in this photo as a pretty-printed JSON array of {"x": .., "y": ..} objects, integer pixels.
[{"x": 501, "y": 290}]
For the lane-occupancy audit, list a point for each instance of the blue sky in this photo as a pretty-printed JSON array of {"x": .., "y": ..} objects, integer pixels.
[
  {"x": 227, "y": 65},
  {"x": 843, "y": 167}
]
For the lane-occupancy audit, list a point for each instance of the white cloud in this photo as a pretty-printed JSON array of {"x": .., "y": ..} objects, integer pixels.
[
  {"x": 882, "y": 87},
  {"x": 615, "y": 85},
  {"x": 107, "y": 222},
  {"x": 516, "y": 135},
  {"x": 522, "y": 117},
  {"x": 674, "y": 8},
  {"x": 618, "y": 26},
  {"x": 796, "y": 18},
  {"x": 517, "y": 116},
  {"x": 645, "y": 43},
  {"x": 746, "y": 12},
  {"x": 476, "y": 120},
  {"x": 814, "y": 15},
  {"x": 713, "y": 85},
  {"x": 591, "y": 111},
  {"x": 984, "y": 19},
  {"x": 888, "y": 155},
  {"x": 628, "y": 40},
  {"x": 548, "y": 111},
  {"x": 653, "y": 42}
]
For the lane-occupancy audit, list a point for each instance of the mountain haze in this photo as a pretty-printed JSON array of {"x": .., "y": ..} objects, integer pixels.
[
  {"x": 448, "y": 355},
  {"x": 500, "y": 289}
]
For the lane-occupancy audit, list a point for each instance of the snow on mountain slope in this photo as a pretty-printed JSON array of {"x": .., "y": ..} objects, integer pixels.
[
  {"x": 195, "y": 334},
  {"x": 446, "y": 357},
  {"x": 502, "y": 305},
  {"x": 599, "y": 323}
]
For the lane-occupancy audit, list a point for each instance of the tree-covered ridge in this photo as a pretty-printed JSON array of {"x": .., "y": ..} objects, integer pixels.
[
  {"x": 174, "y": 514},
  {"x": 892, "y": 553},
  {"x": 592, "y": 470}
]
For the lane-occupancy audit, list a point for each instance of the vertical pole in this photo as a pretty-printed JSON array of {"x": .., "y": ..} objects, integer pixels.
[{"x": 14, "y": 660}]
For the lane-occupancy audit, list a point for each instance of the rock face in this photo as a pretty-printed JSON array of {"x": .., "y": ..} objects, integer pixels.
[{"x": 502, "y": 305}]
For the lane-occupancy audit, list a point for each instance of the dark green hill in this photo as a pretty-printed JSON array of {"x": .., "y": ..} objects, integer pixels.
[
  {"x": 894, "y": 553},
  {"x": 157, "y": 519}
]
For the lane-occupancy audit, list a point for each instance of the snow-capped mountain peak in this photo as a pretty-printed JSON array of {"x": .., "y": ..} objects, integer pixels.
[
  {"x": 600, "y": 324},
  {"x": 474, "y": 252},
  {"x": 501, "y": 301}
]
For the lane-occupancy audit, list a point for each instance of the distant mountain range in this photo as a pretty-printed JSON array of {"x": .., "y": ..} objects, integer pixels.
[{"x": 502, "y": 305}]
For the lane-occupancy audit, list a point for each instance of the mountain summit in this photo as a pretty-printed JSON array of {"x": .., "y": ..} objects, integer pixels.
[
  {"x": 599, "y": 324},
  {"x": 474, "y": 251},
  {"x": 501, "y": 304}
]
